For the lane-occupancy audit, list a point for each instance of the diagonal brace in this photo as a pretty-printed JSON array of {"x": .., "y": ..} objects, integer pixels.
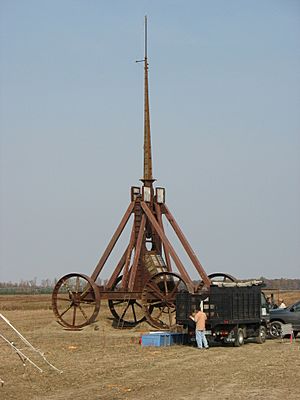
[
  {"x": 187, "y": 247},
  {"x": 137, "y": 253},
  {"x": 169, "y": 247},
  {"x": 112, "y": 242},
  {"x": 159, "y": 218}
]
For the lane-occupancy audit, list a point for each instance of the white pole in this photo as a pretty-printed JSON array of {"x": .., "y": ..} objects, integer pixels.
[
  {"x": 28, "y": 343},
  {"x": 20, "y": 353}
]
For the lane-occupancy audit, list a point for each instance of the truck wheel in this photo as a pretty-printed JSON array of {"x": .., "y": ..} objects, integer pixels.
[
  {"x": 275, "y": 329},
  {"x": 262, "y": 334},
  {"x": 239, "y": 338}
]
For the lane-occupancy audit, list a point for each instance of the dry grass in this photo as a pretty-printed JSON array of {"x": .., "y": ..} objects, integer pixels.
[{"x": 100, "y": 362}]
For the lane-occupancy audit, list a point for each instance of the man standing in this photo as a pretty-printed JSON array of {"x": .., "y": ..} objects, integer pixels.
[
  {"x": 281, "y": 304},
  {"x": 271, "y": 304},
  {"x": 200, "y": 318}
]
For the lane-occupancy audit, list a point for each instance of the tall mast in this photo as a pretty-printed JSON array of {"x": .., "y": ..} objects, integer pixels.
[{"x": 148, "y": 178}]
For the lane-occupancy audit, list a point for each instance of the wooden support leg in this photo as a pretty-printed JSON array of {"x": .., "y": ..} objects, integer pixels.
[
  {"x": 159, "y": 218},
  {"x": 137, "y": 253},
  {"x": 169, "y": 247},
  {"x": 112, "y": 242},
  {"x": 187, "y": 247},
  {"x": 117, "y": 270},
  {"x": 125, "y": 277}
]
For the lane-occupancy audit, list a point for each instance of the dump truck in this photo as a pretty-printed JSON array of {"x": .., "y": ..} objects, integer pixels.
[{"x": 235, "y": 312}]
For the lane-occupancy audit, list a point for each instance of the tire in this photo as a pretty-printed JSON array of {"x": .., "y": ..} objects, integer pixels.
[
  {"x": 239, "y": 338},
  {"x": 262, "y": 334},
  {"x": 275, "y": 329}
]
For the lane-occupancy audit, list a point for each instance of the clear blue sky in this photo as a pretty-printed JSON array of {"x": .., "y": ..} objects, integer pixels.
[{"x": 224, "y": 97}]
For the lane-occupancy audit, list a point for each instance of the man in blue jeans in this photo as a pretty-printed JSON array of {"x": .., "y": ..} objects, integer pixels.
[{"x": 200, "y": 318}]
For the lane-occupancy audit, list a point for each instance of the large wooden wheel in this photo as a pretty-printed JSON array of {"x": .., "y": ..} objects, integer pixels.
[
  {"x": 75, "y": 301},
  {"x": 221, "y": 277},
  {"x": 158, "y": 299},
  {"x": 127, "y": 312},
  {"x": 216, "y": 277}
]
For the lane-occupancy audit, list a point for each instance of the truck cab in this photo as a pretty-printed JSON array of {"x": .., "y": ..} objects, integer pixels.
[{"x": 281, "y": 316}]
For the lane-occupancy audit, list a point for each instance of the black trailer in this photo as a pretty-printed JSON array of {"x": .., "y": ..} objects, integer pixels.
[{"x": 235, "y": 311}]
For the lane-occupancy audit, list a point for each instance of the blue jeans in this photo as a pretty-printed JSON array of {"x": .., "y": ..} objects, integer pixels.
[{"x": 201, "y": 339}]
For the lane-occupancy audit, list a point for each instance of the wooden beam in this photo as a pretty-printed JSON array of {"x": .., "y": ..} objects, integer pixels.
[
  {"x": 159, "y": 219},
  {"x": 124, "y": 283},
  {"x": 112, "y": 242},
  {"x": 137, "y": 253},
  {"x": 117, "y": 270},
  {"x": 169, "y": 247},
  {"x": 187, "y": 247}
]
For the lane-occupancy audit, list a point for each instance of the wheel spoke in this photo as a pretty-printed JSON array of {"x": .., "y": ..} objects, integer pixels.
[
  {"x": 117, "y": 302},
  {"x": 125, "y": 310},
  {"x": 123, "y": 315},
  {"x": 85, "y": 292},
  {"x": 156, "y": 290},
  {"x": 83, "y": 312},
  {"x": 160, "y": 313},
  {"x": 175, "y": 288},
  {"x": 63, "y": 299},
  {"x": 87, "y": 302},
  {"x": 133, "y": 312},
  {"x": 74, "y": 315},
  {"x": 138, "y": 304},
  {"x": 68, "y": 288},
  {"x": 171, "y": 304},
  {"x": 66, "y": 310},
  {"x": 153, "y": 303},
  {"x": 77, "y": 284},
  {"x": 166, "y": 285}
]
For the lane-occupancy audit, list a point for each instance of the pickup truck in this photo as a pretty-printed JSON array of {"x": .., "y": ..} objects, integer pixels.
[{"x": 280, "y": 316}]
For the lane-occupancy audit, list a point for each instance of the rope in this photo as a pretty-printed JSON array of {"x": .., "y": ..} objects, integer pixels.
[
  {"x": 27, "y": 343},
  {"x": 20, "y": 354}
]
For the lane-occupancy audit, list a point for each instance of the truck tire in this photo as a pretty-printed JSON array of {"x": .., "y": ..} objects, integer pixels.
[
  {"x": 262, "y": 334},
  {"x": 239, "y": 338},
  {"x": 275, "y": 329}
]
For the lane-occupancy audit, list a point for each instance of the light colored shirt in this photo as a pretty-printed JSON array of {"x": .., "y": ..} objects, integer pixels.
[
  {"x": 282, "y": 305},
  {"x": 200, "y": 319}
]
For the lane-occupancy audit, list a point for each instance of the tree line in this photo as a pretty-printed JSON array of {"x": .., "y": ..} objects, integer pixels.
[
  {"x": 47, "y": 285},
  {"x": 33, "y": 286},
  {"x": 281, "y": 283}
]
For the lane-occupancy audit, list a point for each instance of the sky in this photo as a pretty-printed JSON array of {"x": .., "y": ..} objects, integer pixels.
[{"x": 224, "y": 80}]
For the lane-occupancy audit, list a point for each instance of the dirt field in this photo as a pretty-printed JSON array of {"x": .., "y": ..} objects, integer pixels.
[{"x": 100, "y": 362}]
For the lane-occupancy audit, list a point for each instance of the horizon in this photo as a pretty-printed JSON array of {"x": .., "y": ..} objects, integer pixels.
[{"x": 50, "y": 282}]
